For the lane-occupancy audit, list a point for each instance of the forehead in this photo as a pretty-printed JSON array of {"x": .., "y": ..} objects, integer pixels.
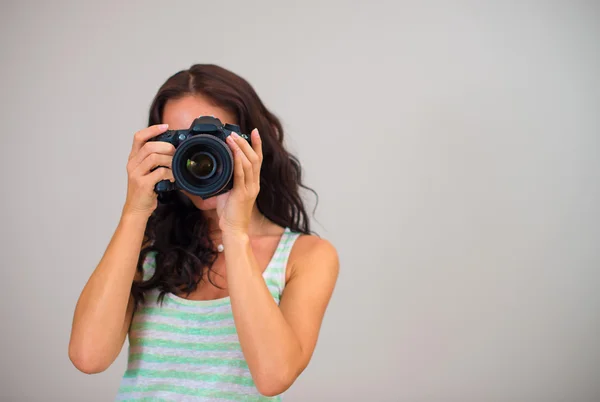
[{"x": 180, "y": 113}]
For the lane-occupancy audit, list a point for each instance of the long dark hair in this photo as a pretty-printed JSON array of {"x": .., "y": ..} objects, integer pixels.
[{"x": 177, "y": 232}]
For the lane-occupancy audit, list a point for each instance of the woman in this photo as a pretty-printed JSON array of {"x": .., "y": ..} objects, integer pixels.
[{"x": 223, "y": 297}]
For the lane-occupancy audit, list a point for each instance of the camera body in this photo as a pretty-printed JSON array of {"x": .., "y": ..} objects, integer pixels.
[{"x": 203, "y": 162}]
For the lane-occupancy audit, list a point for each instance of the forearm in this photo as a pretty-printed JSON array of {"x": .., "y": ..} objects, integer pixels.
[
  {"x": 270, "y": 346},
  {"x": 101, "y": 311}
]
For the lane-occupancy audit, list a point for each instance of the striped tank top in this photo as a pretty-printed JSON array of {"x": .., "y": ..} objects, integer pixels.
[{"x": 188, "y": 350}]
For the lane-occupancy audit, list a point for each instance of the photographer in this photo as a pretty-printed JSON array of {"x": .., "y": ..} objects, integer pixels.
[{"x": 223, "y": 295}]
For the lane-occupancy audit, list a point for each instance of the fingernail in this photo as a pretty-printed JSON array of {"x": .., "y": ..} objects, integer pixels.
[
  {"x": 235, "y": 135},
  {"x": 163, "y": 126}
]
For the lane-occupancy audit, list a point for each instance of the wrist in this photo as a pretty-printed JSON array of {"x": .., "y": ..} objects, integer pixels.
[{"x": 135, "y": 219}]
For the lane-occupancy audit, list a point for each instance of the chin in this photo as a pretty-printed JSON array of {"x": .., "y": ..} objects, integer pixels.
[{"x": 203, "y": 205}]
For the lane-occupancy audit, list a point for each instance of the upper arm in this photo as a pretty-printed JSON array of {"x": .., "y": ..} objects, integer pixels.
[
  {"x": 148, "y": 265},
  {"x": 127, "y": 321},
  {"x": 128, "y": 315},
  {"x": 314, "y": 267}
]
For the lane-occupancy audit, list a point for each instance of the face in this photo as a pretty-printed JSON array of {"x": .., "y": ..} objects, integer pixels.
[{"x": 179, "y": 115}]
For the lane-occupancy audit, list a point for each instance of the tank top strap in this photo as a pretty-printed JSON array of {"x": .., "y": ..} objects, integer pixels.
[
  {"x": 149, "y": 265},
  {"x": 275, "y": 272}
]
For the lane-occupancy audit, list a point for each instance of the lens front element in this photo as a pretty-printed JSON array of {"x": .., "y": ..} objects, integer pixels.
[{"x": 202, "y": 165}]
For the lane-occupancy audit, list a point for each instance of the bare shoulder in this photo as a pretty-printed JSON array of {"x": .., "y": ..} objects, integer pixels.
[{"x": 313, "y": 253}]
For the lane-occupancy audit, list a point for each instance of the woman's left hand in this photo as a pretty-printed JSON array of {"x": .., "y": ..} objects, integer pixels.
[{"x": 234, "y": 207}]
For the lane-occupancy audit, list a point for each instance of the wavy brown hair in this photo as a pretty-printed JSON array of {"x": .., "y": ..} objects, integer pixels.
[{"x": 177, "y": 232}]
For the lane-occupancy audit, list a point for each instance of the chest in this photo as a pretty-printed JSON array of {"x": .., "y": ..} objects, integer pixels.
[{"x": 214, "y": 281}]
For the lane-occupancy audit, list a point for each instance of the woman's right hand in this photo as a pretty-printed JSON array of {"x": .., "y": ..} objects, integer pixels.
[{"x": 144, "y": 157}]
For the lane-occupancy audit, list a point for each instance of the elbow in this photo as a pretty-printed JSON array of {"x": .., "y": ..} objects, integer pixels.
[
  {"x": 277, "y": 383},
  {"x": 86, "y": 361},
  {"x": 272, "y": 388}
]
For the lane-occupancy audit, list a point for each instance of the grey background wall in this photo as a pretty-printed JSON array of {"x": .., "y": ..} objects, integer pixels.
[{"x": 454, "y": 146}]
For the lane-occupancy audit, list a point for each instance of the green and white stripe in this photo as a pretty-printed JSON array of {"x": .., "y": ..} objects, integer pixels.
[{"x": 188, "y": 350}]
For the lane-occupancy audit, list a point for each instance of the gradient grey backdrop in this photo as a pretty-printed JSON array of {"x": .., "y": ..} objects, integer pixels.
[{"x": 454, "y": 146}]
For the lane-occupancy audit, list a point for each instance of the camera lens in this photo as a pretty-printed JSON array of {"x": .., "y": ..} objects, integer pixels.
[{"x": 202, "y": 165}]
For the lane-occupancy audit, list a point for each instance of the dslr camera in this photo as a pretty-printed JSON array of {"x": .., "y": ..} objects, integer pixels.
[{"x": 203, "y": 162}]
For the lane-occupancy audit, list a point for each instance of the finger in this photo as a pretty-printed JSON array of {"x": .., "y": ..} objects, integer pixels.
[
  {"x": 257, "y": 146},
  {"x": 153, "y": 161},
  {"x": 159, "y": 175},
  {"x": 238, "y": 167},
  {"x": 140, "y": 138},
  {"x": 156, "y": 147},
  {"x": 257, "y": 143},
  {"x": 250, "y": 161},
  {"x": 249, "y": 178},
  {"x": 246, "y": 148}
]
